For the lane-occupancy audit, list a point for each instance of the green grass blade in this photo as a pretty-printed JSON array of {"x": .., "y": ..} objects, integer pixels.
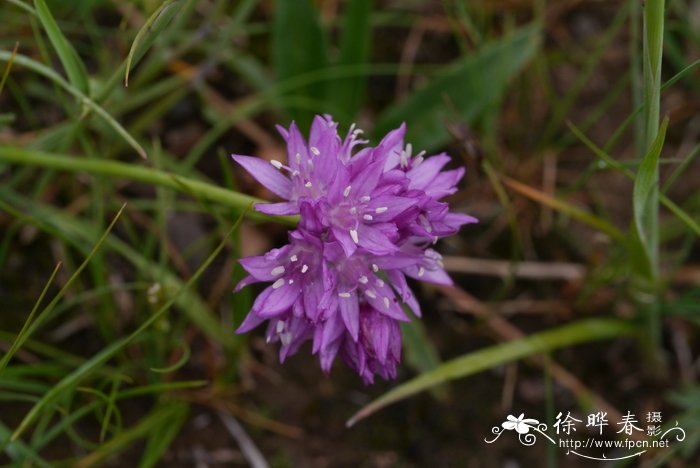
[
  {"x": 85, "y": 100},
  {"x": 473, "y": 85},
  {"x": 8, "y": 67},
  {"x": 202, "y": 190},
  {"x": 156, "y": 23},
  {"x": 564, "y": 207},
  {"x": 91, "y": 365},
  {"x": 147, "y": 425},
  {"x": 645, "y": 198},
  {"x": 25, "y": 332},
  {"x": 22, "y": 335},
  {"x": 614, "y": 164},
  {"x": 543, "y": 342},
  {"x": 347, "y": 94},
  {"x": 160, "y": 439},
  {"x": 74, "y": 67},
  {"x": 299, "y": 19}
]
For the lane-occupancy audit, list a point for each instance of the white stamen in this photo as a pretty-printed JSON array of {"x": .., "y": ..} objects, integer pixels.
[
  {"x": 310, "y": 163},
  {"x": 276, "y": 163},
  {"x": 375, "y": 268},
  {"x": 426, "y": 224},
  {"x": 295, "y": 173},
  {"x": 293, "y": 258},
  {"x": 307, "y": 185},
  {"x": 305, "y": 268},
  {"x": 386, "y": 302},
  {"x": 370, "y": 293},
  {"x": 363, "y": 279},
  {"x": 280, "y": 326},
  {"x": 291, "y": 281},
  {"x": 365, "y": 198},
  {"x": 315, "y": 150},
  {"x": 353, "y": 210},
  {"x": 421, "y": 271},
  {"x": 353, "y": 234},
  {"x": 380, "y": 282},
  {"x": 286, "y": 338},
  {"x": 344, "y": 295},
  {"x": 381, "y": 209},
  {"x": 346, "y": 192},
  {"x": 276, "y": 271},
  {"x": 278, "y": 283},
  {"x": 367, "y": 217},
  {"x": 268, "y": 339}
]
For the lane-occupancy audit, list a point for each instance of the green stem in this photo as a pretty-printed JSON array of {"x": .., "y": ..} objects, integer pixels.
[
  {"x": 202, "y": 191},
  {"x": 649, "y": 231}
]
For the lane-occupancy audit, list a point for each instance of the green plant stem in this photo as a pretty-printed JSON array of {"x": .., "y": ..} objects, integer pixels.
[
  {"x": 648, "y": 233},
  {"x": 198, "y": 189}
]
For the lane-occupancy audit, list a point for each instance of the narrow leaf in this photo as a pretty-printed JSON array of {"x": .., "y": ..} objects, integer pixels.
[
  {"x": 645, "y": 196},
  {"x": 543, "y": 342},
  {"x": 347, "y": 94},
  {"x": 471, "y": 86},
  {"x": 74, "y": 67},
  {"x": 156, "y": 23},
  {"x": 297, "y": 21}
]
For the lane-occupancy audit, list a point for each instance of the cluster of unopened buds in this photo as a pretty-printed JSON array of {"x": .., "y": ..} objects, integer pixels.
[{"x": 368, "y": 219}]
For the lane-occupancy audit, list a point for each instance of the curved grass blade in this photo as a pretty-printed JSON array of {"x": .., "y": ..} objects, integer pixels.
[
  {"x": 148, "y": 32},
  {"x": 473, "y": 85},
  {"x": 74, "y": 67},
  {"x": 645, "y": 199},
  {"x": 202, "y": 190},
  {"x": 8, "y": 67},
  {"x": 89, "y": 103},
  {"x": 93, "y": 364},
  {"x": 186, "y": 352},
  {"x": 614, "y": 164},
  {"x": 543, "y": 342},
  {"x": 564, "y": 207},
  {"x": 24, "y": 333}
]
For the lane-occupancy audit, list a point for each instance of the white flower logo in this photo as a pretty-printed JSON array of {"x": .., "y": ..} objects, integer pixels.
[{"x": 521, "y": 425}]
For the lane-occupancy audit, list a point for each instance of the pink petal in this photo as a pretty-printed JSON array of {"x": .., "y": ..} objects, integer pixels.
[{"x": 266, "y": 174}]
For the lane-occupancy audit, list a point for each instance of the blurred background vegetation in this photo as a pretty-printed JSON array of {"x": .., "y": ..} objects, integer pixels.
[{"x": 117, "y": 322}]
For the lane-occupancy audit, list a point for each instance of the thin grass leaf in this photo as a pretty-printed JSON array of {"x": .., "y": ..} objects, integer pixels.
[
  {"x": 79, "y": 234},
  {"x": 186, "y": 351},
  {"x": 125, "y": 438},
  {"x": 645, "y": 198},
  {"x": 22, "y": 335},
  {"x": 19, "y": 451},
  {"x": 472, "y": 85},
  {"x": 488, "y": 358},
  {"x": 420, "y": 352},
  {"x": 8, "y": 67},
  {"x": 72, "y": 64},
  {"x": 91, "y": 365},
  {"x": 299, "y": 19},
  {"x": 347, "y": 94},
  {"x": 564, "y": 207},
  {"x": 25, "y": 332},
  {"x": 155, "y": 23},
  {"x": 202, "y": 190},
  {"x": 89, "y": 103},
  {"x": 161, "y": 438},
  {"x": 618, "y": 166}
]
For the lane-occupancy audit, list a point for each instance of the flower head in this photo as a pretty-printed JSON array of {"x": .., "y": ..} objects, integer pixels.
[{"x": 367, "y": 220}]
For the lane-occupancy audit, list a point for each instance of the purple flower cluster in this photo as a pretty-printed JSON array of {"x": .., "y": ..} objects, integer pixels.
[{"x": 367, "y": 221}]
